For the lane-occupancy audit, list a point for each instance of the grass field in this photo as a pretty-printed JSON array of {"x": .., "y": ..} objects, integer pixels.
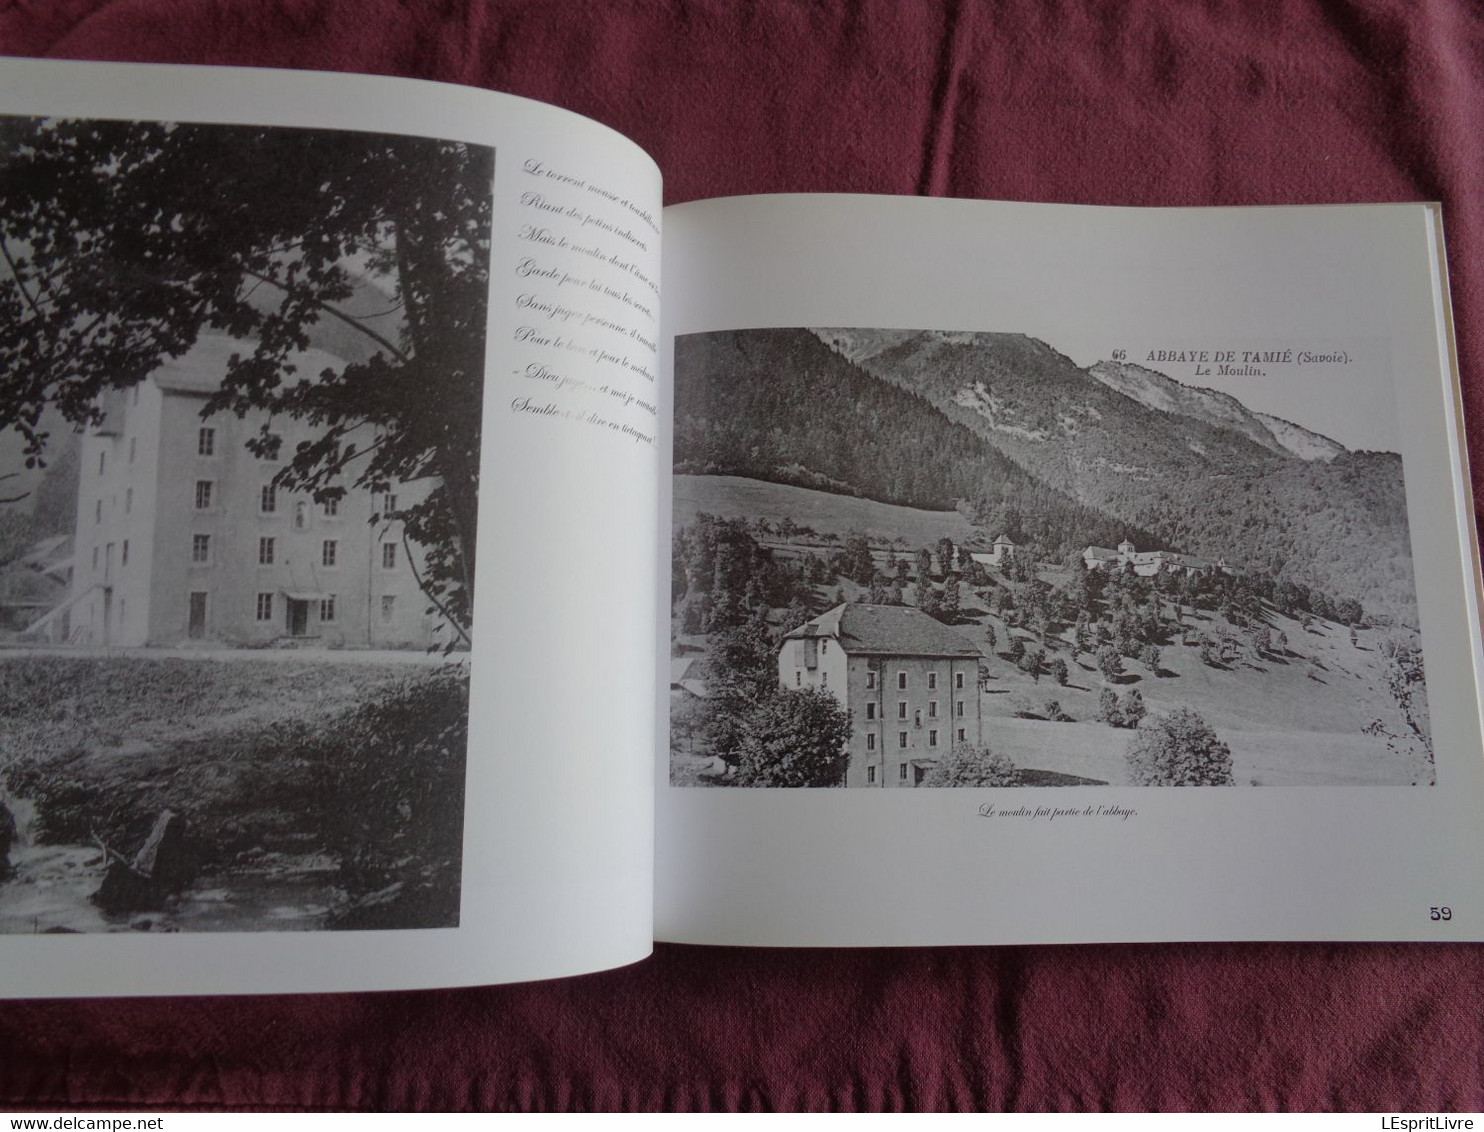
[
  {"x": 735, "y": 497},
  {"x": 1298, "y": 717}
]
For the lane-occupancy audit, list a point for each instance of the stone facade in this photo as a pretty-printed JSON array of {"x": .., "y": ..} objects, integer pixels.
[
  {"x": 182, "y": 537},
  {"x": 910, "y": 684}
]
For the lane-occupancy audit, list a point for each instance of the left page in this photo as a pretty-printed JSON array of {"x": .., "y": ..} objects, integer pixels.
[{"x": 326, "y": 443}]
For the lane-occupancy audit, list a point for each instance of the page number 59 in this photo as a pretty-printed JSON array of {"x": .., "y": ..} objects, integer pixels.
[{"x": 1441, "y": 912}]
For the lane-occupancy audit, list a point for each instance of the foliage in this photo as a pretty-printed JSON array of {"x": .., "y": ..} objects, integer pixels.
[
  {"x": 1132, "y": 709},
  {"x": 742, "y": 673},
  {"x": 1405, "y": 681},
  {"x": 1178, "y": 749},
  {"x": 1060, "y": 671},
  {"x": 1110, "y": 662},
  {"x": 1108, "y": 709},
  {"x": 127, "y": 240},
  {"x": 969, "y": 764},
  {"x": 394, "y": 770},
  {"x": 795, "y": 737}
]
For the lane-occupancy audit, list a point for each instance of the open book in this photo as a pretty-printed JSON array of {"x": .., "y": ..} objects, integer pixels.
[{"x": 398, "y": 592}]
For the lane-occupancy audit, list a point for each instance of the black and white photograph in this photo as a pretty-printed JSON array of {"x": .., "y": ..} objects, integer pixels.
[
  {"x": 241, "y": 374},
  {"x": 919, "y": 558}
]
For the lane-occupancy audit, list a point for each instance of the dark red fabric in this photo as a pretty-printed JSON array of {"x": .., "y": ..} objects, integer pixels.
[{"x": 1151, "y": 104}]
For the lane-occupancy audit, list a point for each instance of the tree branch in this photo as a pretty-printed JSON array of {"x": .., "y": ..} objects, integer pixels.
[
  {"x": 350, "y": 321},
  {"x": 427, "y": 593},
  {"x": 16, "y": 275}
]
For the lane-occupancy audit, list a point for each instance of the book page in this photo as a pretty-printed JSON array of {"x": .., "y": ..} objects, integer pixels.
[
  {"x": 1057, "y": 574},
  {"x": 328, "y": 461}
]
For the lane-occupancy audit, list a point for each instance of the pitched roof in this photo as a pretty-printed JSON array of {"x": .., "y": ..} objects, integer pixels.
[
  {"x": 201, "y": 368},
  {"x": 885, "y": 630}
]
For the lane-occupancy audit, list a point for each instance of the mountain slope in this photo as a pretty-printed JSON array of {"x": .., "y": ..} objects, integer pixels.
[
  {"x": 1195, "y": 467},
  {"x": 779, "y": 405}
]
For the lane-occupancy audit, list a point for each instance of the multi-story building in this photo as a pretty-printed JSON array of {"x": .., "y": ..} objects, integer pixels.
[
  {"x": 182, "y": 535},
  {"x": 1147, "y": 563},
  {"x": 910, "y": 684}
]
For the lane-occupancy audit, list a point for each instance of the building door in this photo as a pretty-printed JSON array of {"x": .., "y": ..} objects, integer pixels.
[
  {"x": 298, "y": 618},
  {"x": 196, "y": 629}
]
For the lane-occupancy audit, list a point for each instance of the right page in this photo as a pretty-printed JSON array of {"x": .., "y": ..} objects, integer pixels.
[{"x": 1053, "y": 574}]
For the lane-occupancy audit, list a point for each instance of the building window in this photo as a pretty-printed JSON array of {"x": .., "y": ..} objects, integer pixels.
[
  {"x": 206, "y": 442},
  {"x": 265, "y": 552},
  {"x": 268, "y": 499},
  {"x": 124, "y": 561},
  {"x": 327, "y": 608},
  {"x": 798, "y": 677},
  {"x": 388, "y": 505},
  {"x": 98, "y": 511},
  {"x": 958, "y": 708},
  {"x": 870, "y": 775},
  {"x": 328, "y": 551},
  {"x": 133, "y": 441},
  {"x": 824, "y": 679},
  {"x": 901, "y": 709},
  {"x": 960, "y": 734},
  {"x": 902, "y": 771},
  {"x": 870, "y": 711},
  {"x": 275, "y": 443},
  {"x": 958, "y": 680},
  {"x": 200, "y": 548},
  {"x": 203, "y": 494},
  {"x": 824, "y": 647},
  {"x": 870, "y": 679},
  {"x": 388, "y": 608},
  {"x": 388, "y": 556},
  {"x": 902, "y": 739},
  {"x": 265, "y": 607},
  {"x": 331, "y": 508},
  {"x": 301, "y": 516},
  {"x": 933, "y": 709},
  {"x": 932, "y": 738},
  {"x": 101, "y": 461},
  {"x": 871, "y": 743},
  {"x": 901, "y": 680},
  {"x": 932, "y": 680}
]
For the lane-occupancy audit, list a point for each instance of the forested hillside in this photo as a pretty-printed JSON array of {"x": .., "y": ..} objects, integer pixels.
[
  {"x": 1178, "y": 472},
  {"x": 779, "y": 405}
]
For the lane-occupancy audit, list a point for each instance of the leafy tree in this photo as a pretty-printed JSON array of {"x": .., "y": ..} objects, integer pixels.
[
  {"x": 989, "y": 635},
  {"x": 928, "y": 599},
  {"x": 795, "y": 737},
  {"x": 1060, "y": 671},
  {"x": 1178, "y": 749},
  {"x": 1033, "y": 662},
  {"x": 856, "y": 562},
  {"x": 945, "y": 555},
  {"x": 1132, "y": 708},
  {"x": 968, "y": 764},
  {"x": 924, "y": 566},
  {"x": 1149, "y": 656},
  {"x": 126, "y": 241},
  {"x": 1262, "y": 640},
  {"x": 1017, "y": 649},
  {"x": 950, "y": 595},
  {"x": 741, "y": 673},
  {"x": 1108, "y": 710},
  {"x": 1110, "y": 662}
]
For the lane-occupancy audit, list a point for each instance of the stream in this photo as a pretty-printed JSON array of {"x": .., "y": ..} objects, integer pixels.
[{"x": 49, "y": 888}]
